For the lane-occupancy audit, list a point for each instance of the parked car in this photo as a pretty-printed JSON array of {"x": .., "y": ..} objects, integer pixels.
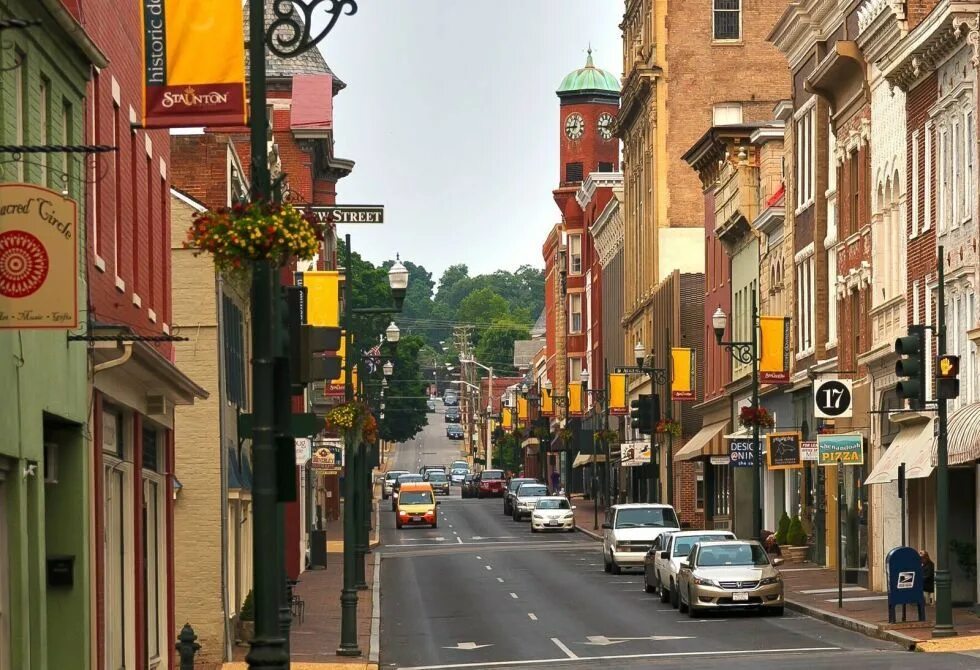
[
  {"x": 629, "y": 532},
  {"x": 552, "y": 513},
  {"x": 490, "y": 483},
  {"x": 389, "y": 482},
  {"x": 430, "y": 405},
  {"x": 452, "y": 415},
  {"x": 723, "y": 575},
  {"x": 512, "y": 486},
  {"x": 426, "y": 468},
  {"x": 439, "y": 481},
  {"x": 416, "y": 506},
  {"x": 662, "y": 563},
  {"x": 407, "y": 478},
  {"x": 456, "y": 475},
  {"x": 450, "y": 399},
  {"x": 527, "y": 494},
  {"x": 454, "y": 431},
  {"x": 470, "y": 486}
]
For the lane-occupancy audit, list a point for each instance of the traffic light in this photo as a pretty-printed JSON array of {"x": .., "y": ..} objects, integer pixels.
[
  {"x": 912, "y": 366},
  {"x": 947, "y": 377},
  {"x": 312, "y": 349},
  {"x": 644, "y": 413}
]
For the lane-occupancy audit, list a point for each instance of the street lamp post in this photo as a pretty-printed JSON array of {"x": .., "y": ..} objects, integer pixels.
[
  {"x": 599, "y": 397},
  {"x": 658, "y": 377},
  {"x": 747, "y": 352}
]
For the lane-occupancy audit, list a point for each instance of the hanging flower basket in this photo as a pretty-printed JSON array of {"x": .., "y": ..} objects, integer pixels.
[
  {"x": 669, "y": 427},
  {"x": 749, "y": 417},
  {"x": 370, "y": 429},
  {"x": 253, "y": 232},
  {"x": 565, "y": 436},
  {"x": 354, "y": 418}
]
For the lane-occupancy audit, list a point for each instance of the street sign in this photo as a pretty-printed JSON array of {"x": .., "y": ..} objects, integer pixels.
[
  {"x": 832, "y": 399},
  {"x": 629, "y": 371},
  {"x": 740, "y": 453},
  {"x": 784, "y": 451},
  {"x": 634, "y": 453},
  {"x": 344, "y": 214},
  {"x": 848, "y": 449},
  {"x": 304, "y": 450}
]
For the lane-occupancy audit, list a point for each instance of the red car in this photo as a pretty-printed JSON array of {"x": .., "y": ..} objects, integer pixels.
[{"x": 490, "y": 484}]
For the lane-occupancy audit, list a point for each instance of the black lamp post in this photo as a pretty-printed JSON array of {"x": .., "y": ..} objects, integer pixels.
[
  {"x": 599, "y": 397},
  {"x": 658, "y": 377},
  {"x": 745, "y": 353}
]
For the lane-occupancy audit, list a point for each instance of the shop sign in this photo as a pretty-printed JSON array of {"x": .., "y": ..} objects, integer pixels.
[
  {"x": 832, "y": 399},
  {"x": 328, "y": 456},
  {"x": 720, "y": 460},
  {"x": 343, "y": 214},
  {"x": 633, "y": 454},
  {"x": 808, "y": 450},
  {"x": 848, "y": 449},
  {"x": 304, "y": 450},
  {"x": 783, "y": 451},
  {"x": 740, "y": 452},
  {"x": 39, "y": 249}
]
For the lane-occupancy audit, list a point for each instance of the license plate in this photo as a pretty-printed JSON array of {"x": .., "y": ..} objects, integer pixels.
[
  {"x": 740, "y": 597},
  {"x": 418, "y": 518},
  {"x": 552, "y": 523}
]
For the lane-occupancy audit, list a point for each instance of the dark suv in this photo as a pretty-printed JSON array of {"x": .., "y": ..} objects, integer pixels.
[{"x": 452, "y": 415}]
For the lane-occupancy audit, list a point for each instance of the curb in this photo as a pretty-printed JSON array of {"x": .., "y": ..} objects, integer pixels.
[
  {"x": 588, "y": 533},
  {"x": 856, "y": 625},
  {"x": 375, "y": 541}
]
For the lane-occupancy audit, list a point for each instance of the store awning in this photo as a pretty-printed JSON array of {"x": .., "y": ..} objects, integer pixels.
[
  {"x": 706, "y": 442},
  {"x": 963, "y": 435},
  {"x": 531, "y": 445},
  {"x": 585, "y": 459},
  {"x": 912, "y": 446}
]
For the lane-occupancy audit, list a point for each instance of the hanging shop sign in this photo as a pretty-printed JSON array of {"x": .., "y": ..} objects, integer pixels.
[
  {"x": 328, "y": 456},
  {"x": 39, "y": 249},
  {"x": 684, "y": 385},
  {"x": 832, "y": 399},
  {"x": 774, "y": 351},
  {"x": 740, "y": 452},
  {"x": 193, "y": 63},
  {"x": 304, "y": 450},
  {"x": 784, "y": 451},
  {"x": 808, "y": 450},
  {"x": 633, "y": 454},
  {"x": 848, "y": 449}
]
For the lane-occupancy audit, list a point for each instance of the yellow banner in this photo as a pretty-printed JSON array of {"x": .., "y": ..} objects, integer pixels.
[
  {"x": 574, "y": 399},
  {"x": 506, "y": 417},
  {"x": 774, "y": 349},
  {"x": 684, "y": 385},
  {"x": 617, "y": 395},
  {"x": 522, "y": 409},
  {"x": 547, "y": 403},
  {"x": 193, "y": 63}
]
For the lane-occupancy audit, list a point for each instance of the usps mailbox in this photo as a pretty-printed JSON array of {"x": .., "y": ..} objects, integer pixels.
[{"x": 904, "y": 569}]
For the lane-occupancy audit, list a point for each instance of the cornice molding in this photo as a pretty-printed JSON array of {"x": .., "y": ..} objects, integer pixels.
[{"x": 594, "y": 182}]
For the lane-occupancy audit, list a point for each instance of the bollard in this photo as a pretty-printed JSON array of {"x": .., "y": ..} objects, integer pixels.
[{"x": 187, "y": 647}]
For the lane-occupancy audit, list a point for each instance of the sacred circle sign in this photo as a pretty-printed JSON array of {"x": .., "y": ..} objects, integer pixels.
[{"x": 38, "y": 258}]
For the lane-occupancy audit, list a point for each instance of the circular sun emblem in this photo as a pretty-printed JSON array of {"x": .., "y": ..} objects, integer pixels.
[{"x": 23, "y": 264}]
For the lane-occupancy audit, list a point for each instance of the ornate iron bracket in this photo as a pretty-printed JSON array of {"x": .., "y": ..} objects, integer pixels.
[
  {"x": 741, "y": 351},
  {"x": 288, "y": 37},
  {"x": 127, "y": 338}
]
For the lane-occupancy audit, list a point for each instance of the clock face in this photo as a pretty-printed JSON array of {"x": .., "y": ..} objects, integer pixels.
[
  {"x": 574, "y": 126},
  {"x": 605, "y": 124}
]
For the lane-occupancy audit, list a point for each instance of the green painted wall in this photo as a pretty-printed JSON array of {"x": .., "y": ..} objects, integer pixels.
[{"x": 44, "y": 377}]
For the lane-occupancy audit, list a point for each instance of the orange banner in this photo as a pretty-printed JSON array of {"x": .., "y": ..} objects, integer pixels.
[
  {"x": 575, "y": 399},
  {"x": 617, "y": 395},
  {"x": 774, "y": 349},
  {"x": 547, "y": 403},
  {"x": 522, "y": 409},
  {"x": 684, "y": 385},
  {"x": 193, "y": 63}
]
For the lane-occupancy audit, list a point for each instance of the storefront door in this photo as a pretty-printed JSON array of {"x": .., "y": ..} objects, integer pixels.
[{"x": 4, "y": 576}]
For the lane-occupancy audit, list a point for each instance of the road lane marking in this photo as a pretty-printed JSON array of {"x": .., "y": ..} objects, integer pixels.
[
  {"x": 532, "y": 616},
  {"x": 479, "y": 558},
  {"x": 700, "y": 620},
  {"x": 459, "y": 539},
  {"x": 834, "y": 590},
  {"x": 592, "y": 659},
  {"x": 500, "y": 579},
  {"x": 468, "y": 646},
  {"x": 854, "y": 600},
  {"x": 488, "y": 567},
  {"x": 568, "y": 652},
  {"x": 513, "y": 595}
]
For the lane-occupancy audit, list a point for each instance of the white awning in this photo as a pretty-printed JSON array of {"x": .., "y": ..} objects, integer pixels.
[
  {"x": 585, "y": 459},
  {"x": 963, "y": 435},
  {"x": 708, "y": 437},
  {"x": 912, "y": 446}
]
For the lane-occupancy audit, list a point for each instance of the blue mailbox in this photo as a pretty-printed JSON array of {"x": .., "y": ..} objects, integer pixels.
[{"x": 904, "y": 569}]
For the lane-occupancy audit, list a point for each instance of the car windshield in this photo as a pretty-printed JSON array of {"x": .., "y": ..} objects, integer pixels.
[
  {"x": 437, "y": 477},
  {"x": 683, "y": 545},
  {"x": 492, "y": 474},
  {"x": 553, "y": 504},
  {"x": 516, "y": 483},
  {"x": 409, "y": 478},
  {"x": 459, "y": 471},
  {"x": 393, "y": 475},
  {"x": 732, "y": 554},
  {"x": 532, "y": 490},
  {"x": 647, "y": 517},
  {"x": 415, "y": 498}
]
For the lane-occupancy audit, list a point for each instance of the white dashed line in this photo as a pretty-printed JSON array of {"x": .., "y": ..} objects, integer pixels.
[
  {"x": 513, "y": 595},
  {"x": 500, "y": 579},
  {"x": 488, "y": 567},
  {"x": 531, "y": 616},
  {"x": 560, "y": 645},
  {"x": 479, "y": 558},
  {"x": 459, "y": 539}
]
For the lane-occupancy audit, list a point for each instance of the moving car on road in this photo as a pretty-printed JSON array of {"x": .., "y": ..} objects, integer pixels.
[
  {"x": 629, "y": 532},
  {"x": 426, "y": 468},
  {"x": 527, "y": 494},
  {"x": 553, "y": 513},
  {"x": 407, "y": 478},
  {"x": 470, "y": 486},
  {"x": 439, "y": 481},
  {"x": 512, "y": 485},
  {"x": 450, "y": 399},
  {"x": 454, "y": 431},
  {"x": 430, "y": 405},
  {"x": 416, "y": 506},
  {"x": 661, "y": 565},
  {"x": 722, "y": 575},
  {"x": 457, "y": 474},
  {"x": 452, "y": 415},
  {"x": 490, "y": 483},
  {"x": 389, "y": 482}
]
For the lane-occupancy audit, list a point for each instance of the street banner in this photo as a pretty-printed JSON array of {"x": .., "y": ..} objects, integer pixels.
[
  {"x": 684, "y": 385},
  {"x": 849, "y": 449},
  {"x": 633, "y": 454},
  {"x": 575, "y": 399},
  {"x": 506, "y": 417},
  {"x": 808, "y": 450},
  {"x": 617, "y": 395},
  {"x": 193, "y": 63},
  {"x": 547, "y": 403},
  {"x": 522, "y": 413},
  {"x": 774, "y": 349},
  {"x": 784, "y": 451},
  {"x": 740, "y": 452},
  {"x": 323, "y": 309},
  {"x": 39, "y": 248}
]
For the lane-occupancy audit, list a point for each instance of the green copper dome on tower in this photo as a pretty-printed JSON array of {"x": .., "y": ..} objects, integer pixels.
[{"x": 589, "y": 79}]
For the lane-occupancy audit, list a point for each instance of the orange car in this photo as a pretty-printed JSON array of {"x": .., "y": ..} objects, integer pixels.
[{"x": 416, "y": 505}]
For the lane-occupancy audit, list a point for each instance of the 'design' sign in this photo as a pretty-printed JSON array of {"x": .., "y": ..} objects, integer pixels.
[{"x": 38, "y": 258}]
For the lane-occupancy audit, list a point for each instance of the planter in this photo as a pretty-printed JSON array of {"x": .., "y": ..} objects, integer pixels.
[
  {"x": 244, "y": 631},
  {"x": 795, "y": 554}
]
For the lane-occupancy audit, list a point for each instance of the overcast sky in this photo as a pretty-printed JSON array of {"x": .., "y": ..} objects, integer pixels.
[{"x": 451, "y": 117}]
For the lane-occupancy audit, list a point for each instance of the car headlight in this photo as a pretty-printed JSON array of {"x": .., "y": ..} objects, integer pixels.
[
  {"x": 704, "y": 581},
  {"x": 568, "y": 516},
  {"x": 538, "y": 517},
  {"x": 770, "y": 580}
]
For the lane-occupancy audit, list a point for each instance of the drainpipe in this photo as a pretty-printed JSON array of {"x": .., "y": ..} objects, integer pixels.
[{"x": 223, "y": 455}]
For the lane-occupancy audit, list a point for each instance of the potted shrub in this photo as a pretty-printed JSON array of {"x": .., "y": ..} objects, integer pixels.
[
  {"x": 246, "y": 620},
  {"x": 796, "y": 539},
  {"x": 783, "y": 529}
]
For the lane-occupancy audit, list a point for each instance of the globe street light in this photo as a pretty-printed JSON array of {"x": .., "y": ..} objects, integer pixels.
[
  {"x": 392, "y": 333},
  {"x": 640, "y": 353},
  {"x": 388, "y": 368},
  {"x": 398, "y": 281}
]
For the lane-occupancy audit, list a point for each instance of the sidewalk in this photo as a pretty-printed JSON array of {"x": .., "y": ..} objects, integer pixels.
[{"x": 812, "y": 590}]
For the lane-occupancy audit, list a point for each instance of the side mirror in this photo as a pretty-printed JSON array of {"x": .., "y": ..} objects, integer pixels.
[
  {"x": 607, "y": 525},
  {"x": 778, "y": 561},
  {"x": 663, "y": 554},
  {"x": 574, "y": 507},
  {"x": 685, "y": 565}
]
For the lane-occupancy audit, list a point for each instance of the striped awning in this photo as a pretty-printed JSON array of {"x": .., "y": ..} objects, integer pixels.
[
  {"x": 963, "y": 435},
  {"x": 912, "y": 446},
  {"x": 706, "y": 442}
]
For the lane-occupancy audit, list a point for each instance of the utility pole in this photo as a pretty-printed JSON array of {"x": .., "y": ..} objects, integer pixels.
[{"x": 944, "y": 606}]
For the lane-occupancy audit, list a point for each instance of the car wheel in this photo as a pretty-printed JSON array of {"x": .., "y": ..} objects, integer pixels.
[
  {"x": 692, "y": 611},
  {"x": 533, "y": 529},
  {"x": 646, "y": 584},
  {"x": 614, "y": 566},
  {"x": 515, "y": 517},
  {"x": 675, "y": 597},
  {"x": 681, "y": 605},
  {"x": 435, "y": 524},
  {"x": 664, "y": 594},
  {"x": 605, "y": 562},
  {"x": 506, "y": 509}
]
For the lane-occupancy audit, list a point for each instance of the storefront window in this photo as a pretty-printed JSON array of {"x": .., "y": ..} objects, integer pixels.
[
  {"x": 855, "y": 518},
  {"x": 721, "y": 476}
]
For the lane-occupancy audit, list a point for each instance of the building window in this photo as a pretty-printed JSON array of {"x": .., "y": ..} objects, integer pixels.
[
  {"x": 805, "y": 307},
  {"x": 152, "y": 557},
  {"x": 805, "y": 155},
  {"x": 968, "y": 149},
  {"x": 727, "y": 20},
  {"x": 575, "y": 313},
  {"x": 573, "y": 172},
  {"x": 20, "y": 105},
  {"x": 117, "y": 180},
  {"x": 67, "y": 138},
  {"x": 832, "y": 296},
  {"x": 726, "y": 114},
  {"x": 699, "y": 486},
  {"x": 720, "y": 478},
  {"x": 118, "y": 557},
  {"x": 574, "y": 370},
  {"x": 928, "y": 178},
  {"x": 605, "y": 166},
  {"x": 136, "y": 260},
  {"x": 915, "y": 183},
  {"x": 151, "y": 232},
  {"x": 575, "y": 254},
  {"x": 854, "y": 193},
  {"x": 96, "y": 189},
  {"x": 944, "y": 179},
  {"x": 234, "y": 352}
]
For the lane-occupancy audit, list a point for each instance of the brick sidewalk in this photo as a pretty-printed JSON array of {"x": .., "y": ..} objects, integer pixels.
[{"x": 812, "y": 590}]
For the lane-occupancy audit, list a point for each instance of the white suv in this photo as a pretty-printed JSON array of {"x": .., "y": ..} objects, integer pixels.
[
  {"x": 629, "y": 532},
  {"x": 660, "y": 569}
]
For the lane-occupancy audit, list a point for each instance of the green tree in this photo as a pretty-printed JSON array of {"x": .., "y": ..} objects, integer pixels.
[
  {"x": 483, "y": 306},
  {"x": 496, "y": 346},
  {"x": 405, "y": 397}
]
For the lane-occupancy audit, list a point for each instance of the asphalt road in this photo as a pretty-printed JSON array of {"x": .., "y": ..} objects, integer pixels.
[{"x": 481, "y": 591}]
